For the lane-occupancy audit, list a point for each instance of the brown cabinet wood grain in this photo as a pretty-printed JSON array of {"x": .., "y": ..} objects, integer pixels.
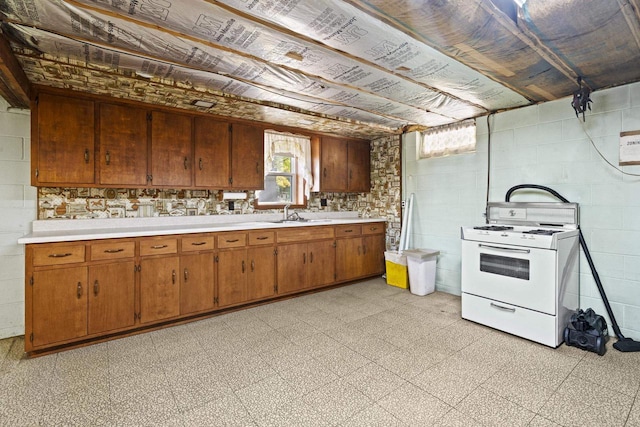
[
  {"x": 359, "y": 166},
  {"x": 196, "y": 282},
  {"x": 261, "y": 279},
  {"x": 122, "y": 131},
  {"x": 305, "y": 265},
  {"x": 341, "y": 165},
  {"x": 232, "y": 279},
  {"x": 111, "y": 296},
  {"x": 247, "y": 157},
  {"x": 171, "y": 150},
  {"x": 212, "y": 153},
  {"x": 63, "y": 149},
  {"x": 361, "y": 255},
  {"x": 159, "y": 288}
]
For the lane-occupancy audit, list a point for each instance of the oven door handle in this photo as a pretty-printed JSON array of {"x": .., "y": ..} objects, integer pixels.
[
  {"x": 500, "y": 307},
  {"x": 523, "y": 251}
]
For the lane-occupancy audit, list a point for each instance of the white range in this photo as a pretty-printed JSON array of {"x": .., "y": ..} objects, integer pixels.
[{"x": 520, "y": 272}]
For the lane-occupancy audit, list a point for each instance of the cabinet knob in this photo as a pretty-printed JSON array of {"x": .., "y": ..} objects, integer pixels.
[
  {"x": 200, "y": 163},
  {"x": 186, "y": 274},
  {"x": 243, "y": 266},
  {"x": 86, "y": 155},
  {"x": 186, "y": 163},
  {"x": 96, "y": 287},
  {"x": 79, "y": 290},
  {"x": 107, "y": 158},
  {"x": 253, "y": 265},
  {"x": 173, "y": 277}
]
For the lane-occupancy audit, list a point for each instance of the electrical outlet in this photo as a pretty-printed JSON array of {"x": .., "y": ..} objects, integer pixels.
[
  {"x": 323, "y": 202},
  {"x": 231, "y": 205},
  {"x": 403, "y": 204}
]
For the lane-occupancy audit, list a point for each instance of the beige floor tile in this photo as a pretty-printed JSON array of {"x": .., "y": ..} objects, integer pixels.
[
  {"x": 414, "y": 406},
  {"x": 342, "y": 361},
  {"x": 539, "y": 421},
  {"x": 577, "y": 400},
  {"x": 297, "y": 331},
  {"x": 295, "y": 413},
  {"x": 84, "y": 407},
  {"x": 241, "y": 371},
  {"x": 374, "y": 381},
  {"x": 492, "y": 410},
  {"x": 227, "y": 411},
  {"x": 308, "y": 376},
  {"x": 266, "y": 396},
  {"x": 267, "y": 341},
  {"x": 373, "y": 416},
  {"x": 447, "y": 385},
  {"x": 612, "y": 376},
  {"x": 337, "y": 401},
  {"x": 521, "y": 391},
  {"x": 145, "y": 410},
  {"x": 634, "y": 414},
  {"x": 455, "y": 418},
  {"x": 408, "y": 363}
]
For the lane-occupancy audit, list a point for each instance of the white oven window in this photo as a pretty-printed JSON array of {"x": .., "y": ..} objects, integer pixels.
[{"x": 505, "y": 266}]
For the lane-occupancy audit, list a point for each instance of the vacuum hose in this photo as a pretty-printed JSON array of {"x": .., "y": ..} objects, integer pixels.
[{"x": 623, "y": 344}]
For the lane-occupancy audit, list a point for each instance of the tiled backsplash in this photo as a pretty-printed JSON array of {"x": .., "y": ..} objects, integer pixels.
[{"x": 99, "y": 203}]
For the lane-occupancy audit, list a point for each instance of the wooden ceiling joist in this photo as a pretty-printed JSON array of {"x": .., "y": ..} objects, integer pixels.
[{"x": 14, "y": 84}]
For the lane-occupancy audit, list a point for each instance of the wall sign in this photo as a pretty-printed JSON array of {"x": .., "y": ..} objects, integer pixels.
[{"x": 630, "y": 148}]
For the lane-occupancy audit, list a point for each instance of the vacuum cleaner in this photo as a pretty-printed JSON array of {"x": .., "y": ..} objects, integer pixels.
[{"x": 623, "y": 344}]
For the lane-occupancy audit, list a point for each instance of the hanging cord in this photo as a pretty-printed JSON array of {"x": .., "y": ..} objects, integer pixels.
[
  {"x": 600, "y": 153},
  {"x": 486, "y": 214}
]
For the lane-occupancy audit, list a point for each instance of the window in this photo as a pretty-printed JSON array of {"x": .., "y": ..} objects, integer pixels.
[
  {"x": 449, "y": 139},
  {"x": 287, "y": 177}
]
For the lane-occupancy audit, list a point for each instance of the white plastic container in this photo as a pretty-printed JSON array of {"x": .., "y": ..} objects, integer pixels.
[{"x": 422, "y": 270}]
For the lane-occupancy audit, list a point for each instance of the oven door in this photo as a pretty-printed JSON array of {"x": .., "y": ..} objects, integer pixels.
[{"x": 516, "y": 275}]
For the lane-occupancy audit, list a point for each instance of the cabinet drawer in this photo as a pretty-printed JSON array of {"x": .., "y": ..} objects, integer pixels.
[
  {"x": 58, "y": 254},
  {"x": 374, "y": 228},
  {"x": 261, "y": 237},
  {"x": 302, "y": 234},
  {"x": 348, "y": 230},
  {"x": 232, "y": 240},
  {"x": 112, "y": 250},
  {"x": 158, "y": 246},
  {"x": 197, "y": 243}
]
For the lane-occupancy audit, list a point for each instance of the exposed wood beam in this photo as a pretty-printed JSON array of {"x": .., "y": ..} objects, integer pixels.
[
  {"x": 630, "y": 12},
  {"x": 14, "y": 84}
]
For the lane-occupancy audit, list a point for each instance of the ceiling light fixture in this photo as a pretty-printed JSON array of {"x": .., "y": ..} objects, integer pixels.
[{"x": 203, "y": 104}]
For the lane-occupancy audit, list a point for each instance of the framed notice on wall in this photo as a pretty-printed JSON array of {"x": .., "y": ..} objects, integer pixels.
[{"x": 630, "y": 148}]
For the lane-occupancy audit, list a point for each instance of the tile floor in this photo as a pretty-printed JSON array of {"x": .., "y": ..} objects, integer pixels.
[{"x": 367, "y": 354}]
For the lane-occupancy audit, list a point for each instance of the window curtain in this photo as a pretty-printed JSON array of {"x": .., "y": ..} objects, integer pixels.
[
  {"x": 297, "y": 145},
  {"x": 449, "y": 139}
]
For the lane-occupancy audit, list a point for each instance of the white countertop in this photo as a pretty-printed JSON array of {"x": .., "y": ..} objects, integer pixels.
[{"x": 49, "y": 231}]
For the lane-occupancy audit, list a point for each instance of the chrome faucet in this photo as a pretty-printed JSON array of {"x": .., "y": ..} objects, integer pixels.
[{"x": 286, "y": 211}]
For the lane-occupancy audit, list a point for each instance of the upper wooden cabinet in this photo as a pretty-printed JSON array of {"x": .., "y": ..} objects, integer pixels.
[
  {"x": 341, "y": 165},
  {"x": 212, "y": 153},
  {"x": 247, "y": 157},
  {"x": 63, "y": 147},
  {"x": 122, "y": 131},
  {"x": 171, "y": 150}
]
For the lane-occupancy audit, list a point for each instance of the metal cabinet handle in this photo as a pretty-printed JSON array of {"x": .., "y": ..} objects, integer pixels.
[
  {"x": 186, "y": 163},
  {"x": 173, "y": 277},
  {"x": 86, "y": 155},
  {"x": 358, "y": 250},
  {"x": 158, "y": 246},
  {"x": 253, "y": 265},
  {"x": 499, "y": 307},
  {"x": 373, "y": 228},
  {"x": 324, "y": 172},
  {"x": 113, "y": 251},
  {"x": 200, "y": 163},
  {"x": 304, "y": 258},
  {"x": 364, "y": 249},
  {"x": 232, "y": 241},
  {"x": 96, "y": 287},
  {"x": 60, "y": 255},
  {"x": 107, "y": 158},
  {"x": 198, "y": 243},
  {"x": 257, "y": 167},
  {"x": 262, "y": 238},
  {"x": 243, "y": 266},
  {"x": 348, "y": 231},
  {"x": 499, "y": 248},
  {"x": 310, "y": 257},
  {"x": 186, "y": 274},
  {"x": 79, "y": 290}
]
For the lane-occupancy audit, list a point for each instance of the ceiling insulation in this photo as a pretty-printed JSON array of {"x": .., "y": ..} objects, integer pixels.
[{"x": 358, "y": 67}]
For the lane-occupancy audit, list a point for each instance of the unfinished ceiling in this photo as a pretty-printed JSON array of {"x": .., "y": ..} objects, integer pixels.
[{"x": 359, "y": 68}]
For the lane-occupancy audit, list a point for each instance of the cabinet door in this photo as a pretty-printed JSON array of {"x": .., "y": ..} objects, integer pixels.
[
  {"x": 333, "y": 164},
  {"x": 65, "y": 146},
  {"x": 247, "y": 157},
  {"x": 359, "y": 162},
  {"x": 292, "y": 268},
  {"x": 159, "y": 288},
  {"x": 196, "y": 283},
  {"x": 111, "y": 296},
  {"x": 123, "y": 145},
  {"x": 262, "y": 270},
  {"x": 59, "y": 305},
  {"x": 232, "y": 277},
  {"x": 373, "y": 254},
  {"x": 348, "y": 258},
  {"x": 212, "y": 156},
  {"x": 171, "y": 150},
  {"x": 321, "y": 258}
]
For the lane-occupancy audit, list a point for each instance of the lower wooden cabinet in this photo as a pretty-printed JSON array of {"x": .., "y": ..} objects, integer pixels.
[{"x": 82, "y": 291}]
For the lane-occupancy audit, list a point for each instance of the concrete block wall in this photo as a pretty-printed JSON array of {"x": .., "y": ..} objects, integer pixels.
[
  {"x": 17, "y": 210},
  {"x": 544, "y": 144}
]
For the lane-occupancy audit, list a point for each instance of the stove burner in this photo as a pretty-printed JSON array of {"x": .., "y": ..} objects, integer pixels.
[
  {"x": 541, "y": 232},
  {"x": 493, "y": 227}
]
